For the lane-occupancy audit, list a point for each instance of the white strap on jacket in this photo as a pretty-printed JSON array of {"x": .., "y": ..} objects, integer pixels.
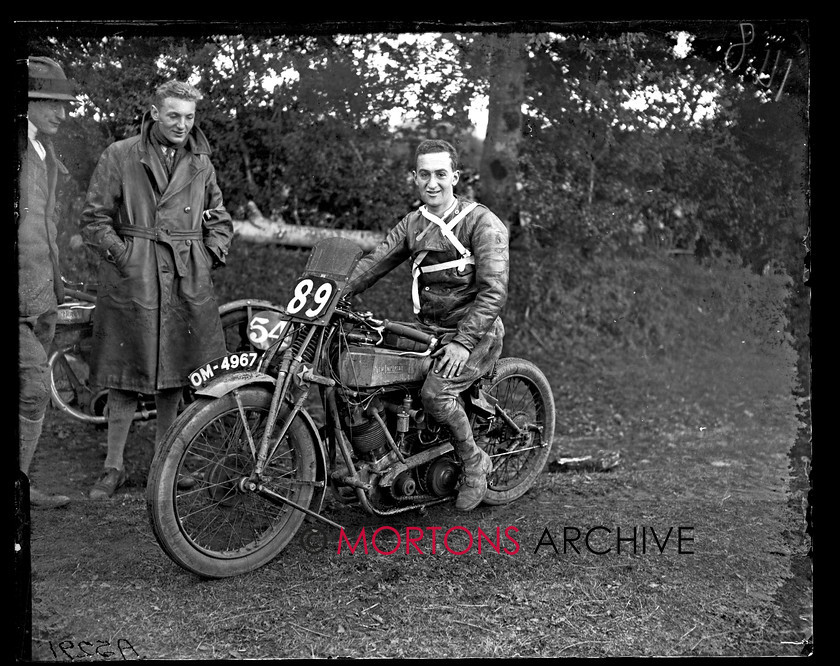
[{"x": 446, "y": 229}]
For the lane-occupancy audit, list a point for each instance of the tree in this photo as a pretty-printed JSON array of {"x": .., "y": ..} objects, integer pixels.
[
  {"x": 594, "y": 130},
  {"x": 500, "y": 172}
]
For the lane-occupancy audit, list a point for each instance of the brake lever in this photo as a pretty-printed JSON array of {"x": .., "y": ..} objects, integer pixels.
[{"x": 365, "y": 318}]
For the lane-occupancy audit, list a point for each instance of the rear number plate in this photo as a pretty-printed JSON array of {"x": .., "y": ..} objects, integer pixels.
[{"x": 222, "y": 366}]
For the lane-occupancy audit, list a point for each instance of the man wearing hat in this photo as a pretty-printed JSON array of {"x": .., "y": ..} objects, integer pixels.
[{"x": 39, "y": 280}]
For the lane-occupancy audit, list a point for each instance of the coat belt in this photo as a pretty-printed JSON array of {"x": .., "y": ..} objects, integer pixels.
[
  {"x": 159, "y": 234},
  {"x": 164, "y": 236}
]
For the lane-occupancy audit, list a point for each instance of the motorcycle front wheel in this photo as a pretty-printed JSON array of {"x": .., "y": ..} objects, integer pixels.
[
  {"x": 202, "y": 514},
  {"x": 525, "y": 395}
]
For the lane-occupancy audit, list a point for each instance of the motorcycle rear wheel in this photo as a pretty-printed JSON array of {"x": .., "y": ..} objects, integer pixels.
[
  {"x": 216, "y": 528},
  {"x": 523, "y": 391},
  {"x": 235, "y": 324},
  {"x": 235, "y": 330}
]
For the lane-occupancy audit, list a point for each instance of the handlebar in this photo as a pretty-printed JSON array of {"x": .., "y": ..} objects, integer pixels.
[
  {"x": 81, "y": 291},
  {"x": 80, "y": 295},
  {"x": 387, "y": 325},
  {"x": 408, "y": 332}
]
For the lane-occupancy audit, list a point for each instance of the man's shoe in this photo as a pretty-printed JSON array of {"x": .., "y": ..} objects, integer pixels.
[
  {"x": 474, "y": 486},
  {"x": 111, "y": 479},
  {"x": 40, "y": 500}
]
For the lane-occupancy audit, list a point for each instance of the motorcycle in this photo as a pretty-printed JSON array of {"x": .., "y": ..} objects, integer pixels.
[
  {"x": 70, "y": 389},
  {"x": 246, "y": 463}
]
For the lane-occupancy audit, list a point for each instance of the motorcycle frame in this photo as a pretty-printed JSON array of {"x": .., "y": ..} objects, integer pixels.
[
  {"x": 298, "y": 373},
  {"x": 249, "y": 304}
]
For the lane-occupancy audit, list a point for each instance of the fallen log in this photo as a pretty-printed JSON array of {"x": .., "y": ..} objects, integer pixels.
[{"x": 260, "y": 229}]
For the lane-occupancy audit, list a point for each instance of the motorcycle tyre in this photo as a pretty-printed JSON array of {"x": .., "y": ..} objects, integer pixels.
[
  {"x": 506, "y": 369},
  {"x": 161, "y": 489}
]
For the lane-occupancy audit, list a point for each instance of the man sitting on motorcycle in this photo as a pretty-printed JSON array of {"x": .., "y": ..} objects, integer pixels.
[{"x": 459, "y": 255}]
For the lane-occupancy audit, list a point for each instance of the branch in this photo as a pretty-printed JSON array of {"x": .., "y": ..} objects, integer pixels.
[{"x": 260, "y": 229}]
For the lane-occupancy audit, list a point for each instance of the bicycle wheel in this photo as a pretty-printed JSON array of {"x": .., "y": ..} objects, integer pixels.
[
  {"x": 524, "y": 393},
  {"x": 201, "y": 515}
]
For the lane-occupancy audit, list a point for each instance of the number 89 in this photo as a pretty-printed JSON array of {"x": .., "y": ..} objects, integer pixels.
[{"x": 302, "y": 291}]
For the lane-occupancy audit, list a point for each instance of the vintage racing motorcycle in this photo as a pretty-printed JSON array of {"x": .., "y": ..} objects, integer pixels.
[
  {"x": 245, "y": 463},
  {"x": 70, "y": 390}
]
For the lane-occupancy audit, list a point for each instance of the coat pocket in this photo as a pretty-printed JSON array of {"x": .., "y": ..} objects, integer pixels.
[
  {"x": 208, "y": 255},
  {"x": 121, "y": 256}
]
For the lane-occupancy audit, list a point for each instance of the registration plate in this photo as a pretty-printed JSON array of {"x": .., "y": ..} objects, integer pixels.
[{"x": 222, "y": 366}]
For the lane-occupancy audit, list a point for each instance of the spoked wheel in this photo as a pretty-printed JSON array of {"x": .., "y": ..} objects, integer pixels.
[
  {"x": 69, "y": 378},
  {"x": 525, "y": 395},
  {"x": 202, "y": 511},
  {"x": 69, "y": 383}
]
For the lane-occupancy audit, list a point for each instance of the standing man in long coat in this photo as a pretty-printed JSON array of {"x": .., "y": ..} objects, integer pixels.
[
  {"x": 154, "y": 213},
  {"x": 39, "y": 278}
]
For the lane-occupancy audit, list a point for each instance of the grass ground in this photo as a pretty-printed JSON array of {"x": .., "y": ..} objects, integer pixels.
[
  {"x": 714, "y": 442},
  {"x": 720, "y": 469}
]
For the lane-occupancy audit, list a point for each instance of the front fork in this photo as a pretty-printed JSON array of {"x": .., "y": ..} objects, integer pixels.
[
  {"x": 299, "y": 374},
  {"x": 276, "y": 498}
]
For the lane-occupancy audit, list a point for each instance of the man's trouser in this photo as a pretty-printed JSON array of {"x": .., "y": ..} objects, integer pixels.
[
  {"x": 35, "y": 335},
  {"x": 442, "y": 397}
]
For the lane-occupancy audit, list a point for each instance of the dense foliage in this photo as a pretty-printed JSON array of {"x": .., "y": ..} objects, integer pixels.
[
  {"x": 630, "y": 137},
  {"x": 624, "y": 139}
]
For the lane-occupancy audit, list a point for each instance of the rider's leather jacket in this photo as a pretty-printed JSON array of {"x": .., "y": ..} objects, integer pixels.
[{"x": 469, "y": 298}]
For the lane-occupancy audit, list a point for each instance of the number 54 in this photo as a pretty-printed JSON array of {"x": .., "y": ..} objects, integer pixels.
[{"x": 262, "y": 330}]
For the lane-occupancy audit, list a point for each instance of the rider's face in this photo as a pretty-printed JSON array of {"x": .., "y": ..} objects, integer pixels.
[{"x": 435, "y": 180}]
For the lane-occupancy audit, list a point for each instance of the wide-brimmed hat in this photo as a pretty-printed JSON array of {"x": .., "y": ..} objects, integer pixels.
[{"x": 47, "y": 80}]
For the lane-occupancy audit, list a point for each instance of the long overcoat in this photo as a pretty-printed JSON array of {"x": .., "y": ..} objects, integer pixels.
[
  {"x": 39, "y": 274},
  {"x": 156, "y": 315}
]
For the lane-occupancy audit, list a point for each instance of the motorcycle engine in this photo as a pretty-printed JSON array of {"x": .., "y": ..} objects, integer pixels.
[
  {"x": 440, "y": 476},
  {"x": 411, "y": 432}
]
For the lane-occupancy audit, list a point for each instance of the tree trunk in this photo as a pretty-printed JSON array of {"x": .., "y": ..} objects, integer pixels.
[
  {"x": 259, "y": 229},
  {"x": 500, "y": 159}
]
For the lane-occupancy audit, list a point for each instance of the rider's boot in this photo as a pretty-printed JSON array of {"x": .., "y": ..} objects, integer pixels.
[{"x": 477, "y": 465}]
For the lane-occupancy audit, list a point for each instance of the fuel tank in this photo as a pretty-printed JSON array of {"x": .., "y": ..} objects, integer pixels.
[{"x": 362, "y": 366}]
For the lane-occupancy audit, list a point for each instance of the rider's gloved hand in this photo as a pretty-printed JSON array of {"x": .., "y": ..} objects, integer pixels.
[
  {"x": 345, "y": 298},
  {"x": 451, "y": 359}
]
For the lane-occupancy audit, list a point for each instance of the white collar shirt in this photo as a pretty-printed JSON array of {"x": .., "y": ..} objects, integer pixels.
[{"x": 33, "y": 138}]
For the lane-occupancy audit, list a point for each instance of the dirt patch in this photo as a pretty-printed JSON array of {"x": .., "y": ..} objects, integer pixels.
[{"x": 697, "y": 542}]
